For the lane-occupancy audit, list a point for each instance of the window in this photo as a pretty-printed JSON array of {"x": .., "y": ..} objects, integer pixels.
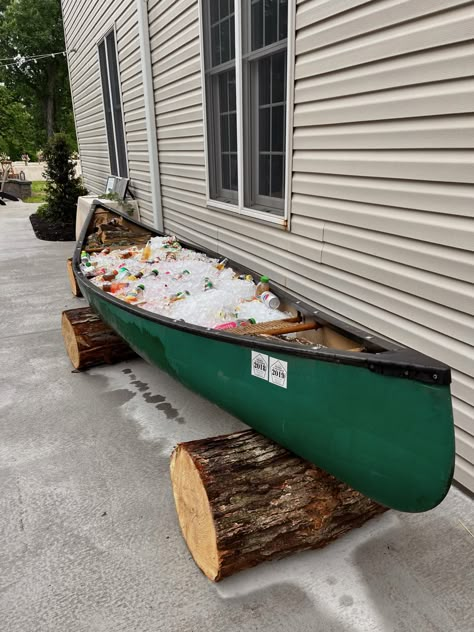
[
  {"x": 113, "y": 105},
  {"x": 246, "y": 77}
]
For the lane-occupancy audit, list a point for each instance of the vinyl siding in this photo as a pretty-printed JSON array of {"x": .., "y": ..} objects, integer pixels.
[
  {"x": 383, "y": 154},
  {"x": 86, "y": 22},
  {"x": 382, "y": 206}
]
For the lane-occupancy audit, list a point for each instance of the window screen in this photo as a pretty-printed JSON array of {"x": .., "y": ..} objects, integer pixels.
[
  {"x": 113, "y": 105},
  {"x": 261, "y": 113}
]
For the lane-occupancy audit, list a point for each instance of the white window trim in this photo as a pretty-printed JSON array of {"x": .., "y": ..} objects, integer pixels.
[
  {"x": 99, "y": 41},
  {"x": 240, "y": 209}
]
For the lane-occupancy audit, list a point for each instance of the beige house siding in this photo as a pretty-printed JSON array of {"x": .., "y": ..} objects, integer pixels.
[
  {"x": 383, "y": 144},
  {"x": 86, "y": 22},
  {"x": 382, "y": 212}
]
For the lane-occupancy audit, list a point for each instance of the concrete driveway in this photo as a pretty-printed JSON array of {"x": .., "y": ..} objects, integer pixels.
[
  {"x": 89, "y": 536},
  {"x": 35, "y": 170}
]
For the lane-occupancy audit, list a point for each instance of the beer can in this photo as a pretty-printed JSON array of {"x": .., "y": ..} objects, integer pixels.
[{"x": 270, "y": 300}]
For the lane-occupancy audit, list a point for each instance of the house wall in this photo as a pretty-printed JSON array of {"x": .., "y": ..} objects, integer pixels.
[
  {"x": 85, "y": 23},
  {"x": 382, "y": 209}
]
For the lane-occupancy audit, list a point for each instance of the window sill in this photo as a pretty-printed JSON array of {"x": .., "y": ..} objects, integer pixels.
[{"x": 256, "y": 216}]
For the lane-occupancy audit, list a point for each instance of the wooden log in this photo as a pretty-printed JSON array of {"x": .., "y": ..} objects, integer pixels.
[
  {"x": 90, "y": 342},
  {"x": 72, "y": 279},
  {"x": 242, "y": 499}
]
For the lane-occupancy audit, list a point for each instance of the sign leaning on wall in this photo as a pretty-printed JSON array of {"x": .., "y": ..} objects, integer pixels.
[{"x": 117, "y": 185}]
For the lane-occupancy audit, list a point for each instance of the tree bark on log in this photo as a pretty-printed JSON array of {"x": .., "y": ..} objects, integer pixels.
[
  {"x": 242, "y": 499},
  {"x": 72, "y": 279},
  {"x": 90, "y": 342}
]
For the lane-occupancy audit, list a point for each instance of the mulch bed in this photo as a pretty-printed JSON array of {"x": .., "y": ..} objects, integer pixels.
[{"x": 53, "y": 231}]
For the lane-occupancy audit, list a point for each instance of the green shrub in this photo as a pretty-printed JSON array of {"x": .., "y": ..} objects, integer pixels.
[{"x": 62, "y": 186}]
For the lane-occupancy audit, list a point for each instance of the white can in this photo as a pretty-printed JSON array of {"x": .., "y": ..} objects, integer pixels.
[{"x": 270, "y": 300}]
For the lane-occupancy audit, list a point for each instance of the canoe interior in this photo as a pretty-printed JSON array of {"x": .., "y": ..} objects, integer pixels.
[{"x": 108, "y": 229}]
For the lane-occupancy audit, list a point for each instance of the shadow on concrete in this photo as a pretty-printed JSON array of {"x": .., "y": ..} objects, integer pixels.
[
  {"x": 415, "y": 575},
  {"x": 283, "y": 606}
]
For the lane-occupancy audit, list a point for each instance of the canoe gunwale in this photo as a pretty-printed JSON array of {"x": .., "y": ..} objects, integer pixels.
[{"x": 393, "y": 360}]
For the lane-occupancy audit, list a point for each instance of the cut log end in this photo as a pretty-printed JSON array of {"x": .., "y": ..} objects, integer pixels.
[
  {"x": 70, "y": 341},
  {"x": 242, "y": 499},
  {"x": 72, "y": 279},
  {"x": 194, "y": 513}
]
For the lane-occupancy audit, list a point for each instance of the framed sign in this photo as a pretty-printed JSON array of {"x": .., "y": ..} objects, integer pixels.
[{"x": 117, "y": 185}]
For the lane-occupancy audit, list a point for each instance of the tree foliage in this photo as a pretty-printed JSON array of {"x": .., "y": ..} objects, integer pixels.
[
  {"x": 29, "y": 28},
  {"x": 17, "y": 131},
  {"x": 63, "y": 187}
]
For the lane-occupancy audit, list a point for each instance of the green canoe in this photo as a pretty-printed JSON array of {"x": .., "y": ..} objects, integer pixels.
[{"x": 373, "y": 413}]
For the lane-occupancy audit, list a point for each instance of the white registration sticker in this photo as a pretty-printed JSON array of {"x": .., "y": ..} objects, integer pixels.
[
  {"x": 278, "y": 373},
  {"x": 260, "y": 365}
]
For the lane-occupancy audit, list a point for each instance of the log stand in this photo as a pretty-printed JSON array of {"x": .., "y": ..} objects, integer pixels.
[
  {"x": 242, "y": 499},
  {"x": 72, "y": 279},
  {"x": 90, "y": 342}
]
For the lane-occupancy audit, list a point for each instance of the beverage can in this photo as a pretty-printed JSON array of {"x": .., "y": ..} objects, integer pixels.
[{"x": 270, "y": 300}]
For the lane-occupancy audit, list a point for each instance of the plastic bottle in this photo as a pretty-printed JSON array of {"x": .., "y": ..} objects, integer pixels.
[
  {"x": 110, "y": 276},
  {"x": 270, "y": 300},
  {"x": 179, "y": 296},
  {"x": 133, "y": 295},
  {"x": 84, "y": 257},
  {"x": 146, "y": 253},
  {"x": 224, "y": 326},
  {"x": 208, "y": 284},
  {"x": 115, "y": 286},
  {"x": 222, "y": 264},
  {"x": 240, "y": 322},
  {"x": 88, "y": 269},
  {"x": 263, "y": 286},
  {"x": 153, "y": 273},
  {"x": 123, "y": 273}
]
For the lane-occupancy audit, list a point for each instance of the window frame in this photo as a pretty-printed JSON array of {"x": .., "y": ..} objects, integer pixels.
[
  {"x": 210, "y": 158},
  {"x": 114, "y": 140}
]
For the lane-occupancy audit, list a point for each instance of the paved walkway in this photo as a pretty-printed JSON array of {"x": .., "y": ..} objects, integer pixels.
[{"x": 89, "y": 536}]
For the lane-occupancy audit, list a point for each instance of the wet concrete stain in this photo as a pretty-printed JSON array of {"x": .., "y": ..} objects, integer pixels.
[
  {"x": 160, "y": 402},
  {"x": 120, "y": 396},
  {"x": 153, "y": 399},
  {"x": 170, "y": 412},
  {"x": 346, "y": 600},
  {"x": 141, "y": 386}
]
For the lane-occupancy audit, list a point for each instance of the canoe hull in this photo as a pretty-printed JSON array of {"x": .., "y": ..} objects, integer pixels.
[{"x": 390, "y": 438}]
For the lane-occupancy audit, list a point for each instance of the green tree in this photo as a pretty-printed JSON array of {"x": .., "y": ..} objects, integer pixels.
[
  {"x": 63, "y": 187},
  {"x": 29, "y": 28},
  {"x": 17, "y": 132}
]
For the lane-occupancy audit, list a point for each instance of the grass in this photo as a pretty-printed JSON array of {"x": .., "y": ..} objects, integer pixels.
[{"x": 38, "y": 191}]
